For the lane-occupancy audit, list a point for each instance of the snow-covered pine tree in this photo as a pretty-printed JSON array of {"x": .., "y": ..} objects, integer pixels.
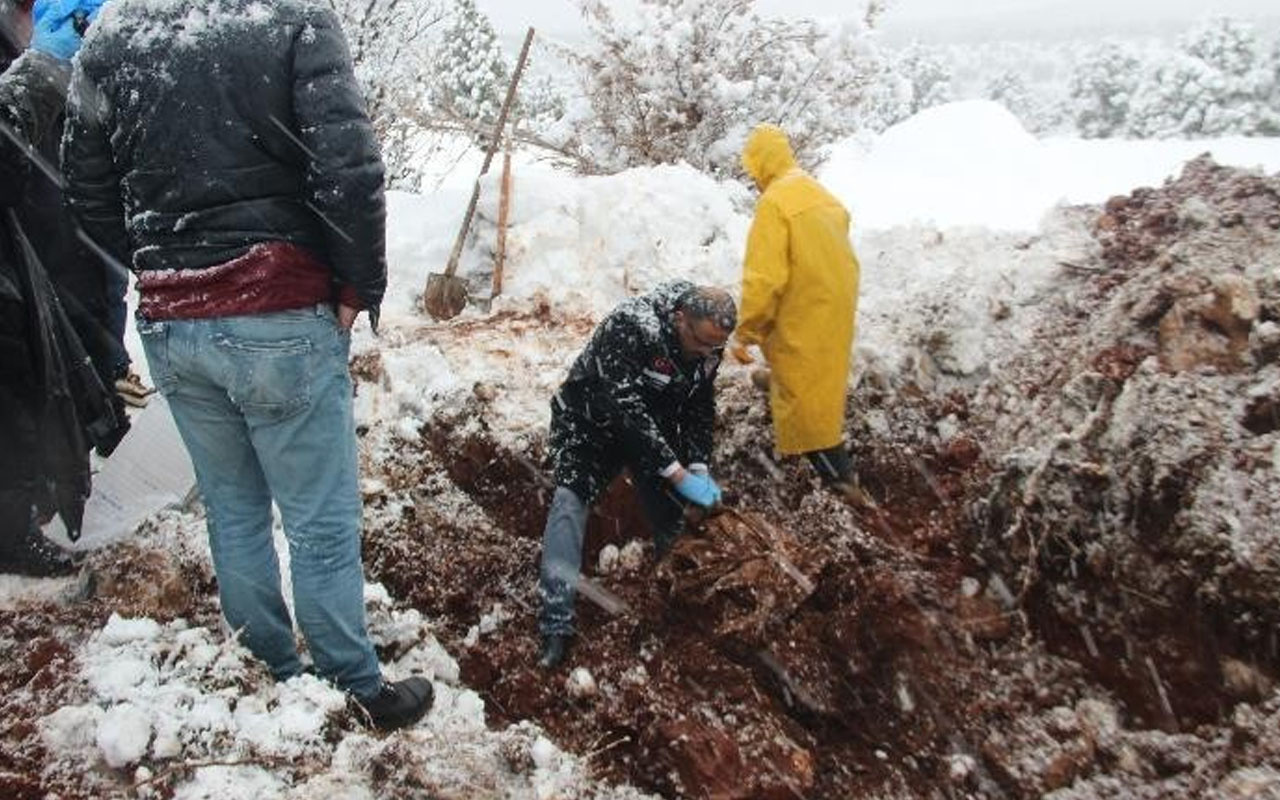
[
  {"x": 1214, "y": 84},
  {"x": 905, "y": 83},
  {"x": 542, "y": 101},
  {"x": 470, "y": 77},
  {"x": 1008, "y": 89},
  {"x": 1226, "y": 45},
  {"x": 685, "y": 80},
  {"x": 888, "y": 99},
  {"x": 1271, "y": 82},
  {"x": 1103, "y": 88},
  {"x": 929, "y": 75},
  {"x": 1232, "y": 51}
]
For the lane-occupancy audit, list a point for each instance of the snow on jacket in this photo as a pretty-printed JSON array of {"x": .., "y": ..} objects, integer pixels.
[
  {"x": 197, "y": 130},
  {"x": 631, "y": 388},
  {"x": 799, "y": 295}
]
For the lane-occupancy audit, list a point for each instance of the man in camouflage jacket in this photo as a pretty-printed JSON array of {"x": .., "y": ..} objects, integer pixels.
[{"x": 639, "y": 396}]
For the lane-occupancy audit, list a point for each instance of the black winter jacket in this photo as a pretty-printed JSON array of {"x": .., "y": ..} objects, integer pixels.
[
  {"x": 78, "y": 275},
  {"x": 53, "y": 404},
  {"x": 198, "y": 129},
  {"x": 632, "y": 388}
]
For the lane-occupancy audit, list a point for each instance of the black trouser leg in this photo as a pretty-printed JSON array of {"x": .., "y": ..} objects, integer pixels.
[
  {"x": 833, "y": 464},
  {"x": 663, "y": 509}
]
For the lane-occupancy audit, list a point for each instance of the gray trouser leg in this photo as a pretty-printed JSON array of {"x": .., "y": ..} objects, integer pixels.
[{"x": 561, "y": 561}]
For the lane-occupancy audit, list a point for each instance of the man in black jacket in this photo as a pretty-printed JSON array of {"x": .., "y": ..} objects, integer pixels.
[
  {"x": 221, "y": 149},
  {"x": 53, "y": 305},
  {"x": 640, "y": 396}
]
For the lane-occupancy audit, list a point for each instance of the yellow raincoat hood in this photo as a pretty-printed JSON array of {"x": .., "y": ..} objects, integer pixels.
[
  {"x": 767, "y": 155},
  {"x": 799, "y": 295}
]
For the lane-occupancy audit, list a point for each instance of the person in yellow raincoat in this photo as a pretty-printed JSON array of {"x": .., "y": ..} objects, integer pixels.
[{"x": 799, "y": 302}]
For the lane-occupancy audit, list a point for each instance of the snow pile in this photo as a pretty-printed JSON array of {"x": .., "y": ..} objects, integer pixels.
[
  {"x": 972, "y": 164},
  {"x": 580, "y": 244},
  {"x": 952, "y": 303},
  {"x": 171, "y": 691},
  {"x": 957, "y": 164},
  {"x": 183, "y": 706}
]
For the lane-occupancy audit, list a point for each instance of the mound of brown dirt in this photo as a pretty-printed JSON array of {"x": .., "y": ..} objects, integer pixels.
[{"x": 1136, "y": 509}]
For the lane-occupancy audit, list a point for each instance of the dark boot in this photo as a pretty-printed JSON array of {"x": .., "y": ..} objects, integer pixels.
[
  {"x": 854, "y": 494},
  {"x": 761, "y": 377},
  {"x": 554, "y": 648},
  {"x": 833, "y": 465},
  {"x": 399, "y": 703},
  {"x": 38, "y": 557}
]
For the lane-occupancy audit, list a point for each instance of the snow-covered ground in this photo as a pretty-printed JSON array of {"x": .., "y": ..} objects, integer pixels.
[{"x": 966, "y": 172}]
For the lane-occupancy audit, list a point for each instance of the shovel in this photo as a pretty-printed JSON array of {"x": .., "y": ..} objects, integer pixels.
[{"x": 446, "y": 294}]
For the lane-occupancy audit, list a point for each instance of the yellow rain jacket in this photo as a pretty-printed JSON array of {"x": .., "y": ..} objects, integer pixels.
[{"x": 799, "y": 295}]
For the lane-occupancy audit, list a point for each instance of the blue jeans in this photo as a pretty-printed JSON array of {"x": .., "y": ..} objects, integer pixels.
[
  {"x": 562, "y": 546},
  {"x": 263, "y": 404}
]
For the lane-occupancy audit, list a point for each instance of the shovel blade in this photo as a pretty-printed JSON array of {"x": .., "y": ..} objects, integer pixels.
[{"x": 445, "y": 297}]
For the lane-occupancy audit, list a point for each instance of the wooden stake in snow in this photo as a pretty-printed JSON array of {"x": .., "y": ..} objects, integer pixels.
[{"x": 504, "y": 207}]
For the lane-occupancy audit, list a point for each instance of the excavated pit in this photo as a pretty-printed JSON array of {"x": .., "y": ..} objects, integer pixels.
[
  {"x": 1049, "y": 597},
  {"x": 747, "y": 663}
]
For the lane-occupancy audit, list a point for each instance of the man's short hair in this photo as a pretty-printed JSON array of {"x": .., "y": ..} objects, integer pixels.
[{"x": 708, "y": 302}]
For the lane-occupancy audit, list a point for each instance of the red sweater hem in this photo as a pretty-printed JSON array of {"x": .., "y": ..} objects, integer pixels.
[{"x": 271, "y": 276}]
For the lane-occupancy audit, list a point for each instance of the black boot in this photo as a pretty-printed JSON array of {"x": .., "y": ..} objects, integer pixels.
[
  {"x": 400, "y": 703},
  {"x": 554, "y": 648},
  {"x": 834, "y": 465},
  {"x": 38, "y": 557}
]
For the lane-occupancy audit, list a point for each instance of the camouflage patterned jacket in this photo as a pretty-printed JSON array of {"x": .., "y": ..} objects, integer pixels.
[{"x": 632, "y": 387}]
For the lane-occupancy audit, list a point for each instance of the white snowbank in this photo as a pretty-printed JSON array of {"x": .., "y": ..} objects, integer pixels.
[
  {"x": 968, "y": 163},
  {"x": 582, "y": 243},
  {"x": 972, "y": 164}
]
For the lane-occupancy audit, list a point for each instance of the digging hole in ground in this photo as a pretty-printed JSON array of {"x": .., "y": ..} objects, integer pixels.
[
  {"x": 1065, "y": 580},
  {"x": 772, "y": 653}
]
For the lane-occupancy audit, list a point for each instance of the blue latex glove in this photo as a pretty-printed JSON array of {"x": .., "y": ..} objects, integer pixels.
[
  {"x": 699, "y": 489},
  {"x": 59, "y": 25}
]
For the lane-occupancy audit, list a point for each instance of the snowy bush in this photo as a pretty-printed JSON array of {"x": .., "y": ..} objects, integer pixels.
[
  {"x": 1009, "y": 90},
  {"x": 906, "y": 83},
  {"x": 929, "y": 76},
  {"x": 1219, "y": 80},
  {"x": 1214, "y": 84},
  {"x": 1103, "y": 88},
  {"x": 392, "y": 52},
  {"x": 543, "y": 98},
  {"x": 1271, "y": 75},
  {"x": 685, "y": 80}
]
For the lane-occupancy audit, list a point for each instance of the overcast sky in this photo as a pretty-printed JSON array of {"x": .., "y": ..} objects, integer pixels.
[{"x": 938, "y": 18}]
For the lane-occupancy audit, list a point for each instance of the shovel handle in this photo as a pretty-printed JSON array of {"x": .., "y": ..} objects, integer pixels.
[
  {"x": 456, "y": 254},
  {"x": 507, "y": 101}
]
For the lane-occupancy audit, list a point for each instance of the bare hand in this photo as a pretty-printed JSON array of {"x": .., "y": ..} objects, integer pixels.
[
  {"x": 346, "y": 316},
  {"x": 741, "y": 353}
]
